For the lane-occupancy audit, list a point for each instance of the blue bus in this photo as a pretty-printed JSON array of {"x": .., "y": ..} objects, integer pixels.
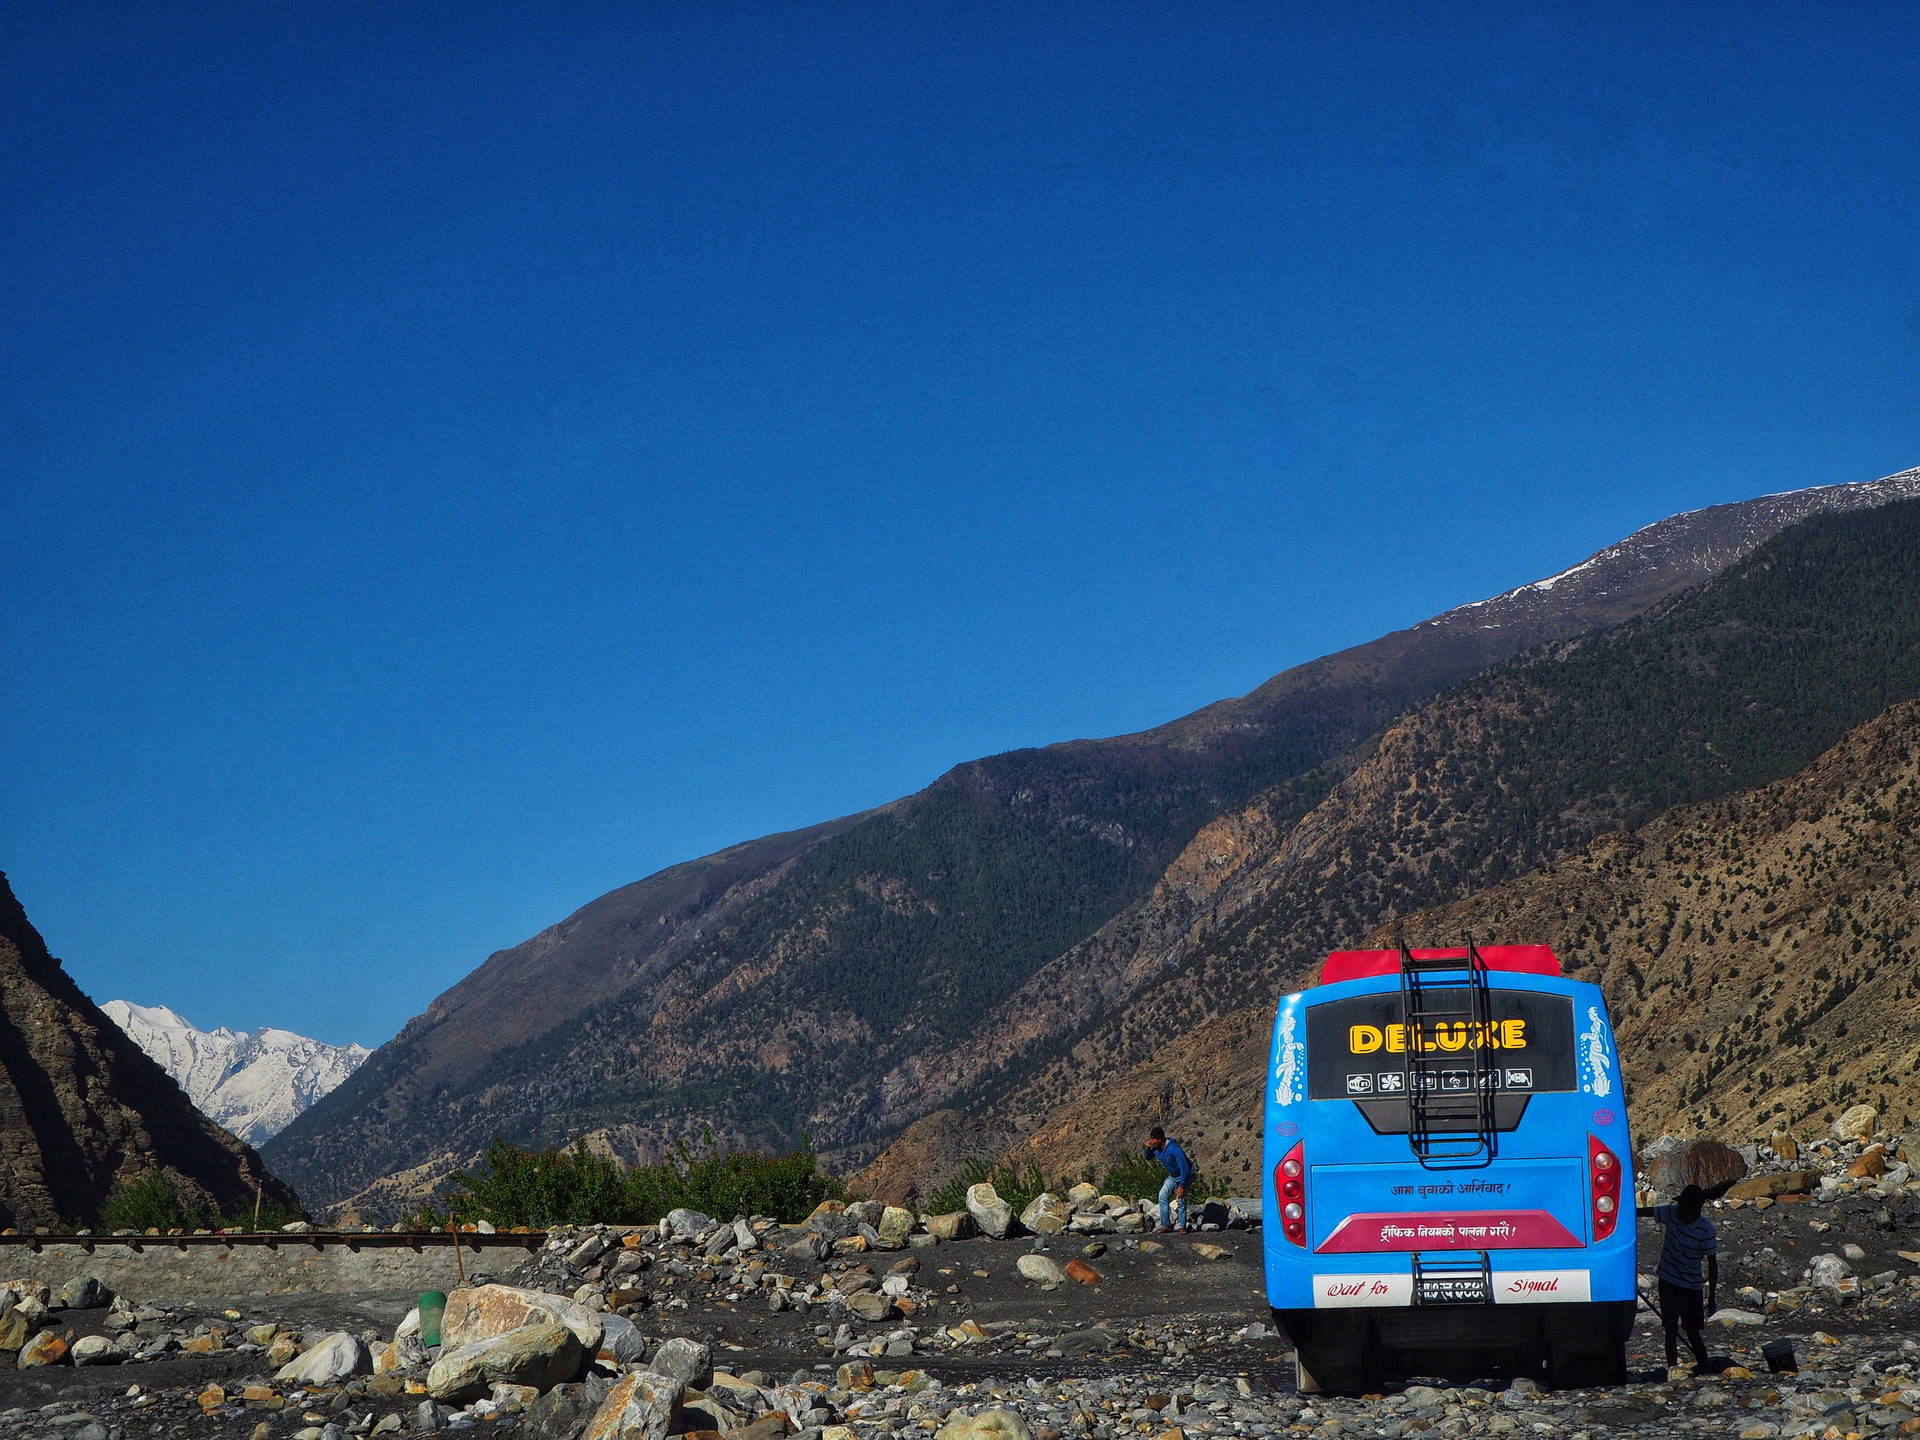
[{"x": 1448, "y": 1177}]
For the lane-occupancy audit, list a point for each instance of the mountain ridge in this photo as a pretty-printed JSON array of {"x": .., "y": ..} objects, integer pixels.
[
  {"x": 83, "y": 1109},
  {"x": 784, "y": 1001},
  {"x": 1528, "y": 761},
  {"x": 251, "y": 1083}
]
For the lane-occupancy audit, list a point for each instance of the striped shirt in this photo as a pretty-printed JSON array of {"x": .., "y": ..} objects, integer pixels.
[{"x": 1688, "y": 1243}]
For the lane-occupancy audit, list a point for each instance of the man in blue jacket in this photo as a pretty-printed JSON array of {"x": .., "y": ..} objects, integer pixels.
[{"x": 1179, "y": 1175}]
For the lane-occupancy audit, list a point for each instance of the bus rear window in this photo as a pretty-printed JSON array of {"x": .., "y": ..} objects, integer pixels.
[{"x": 1359, "y": 1046}]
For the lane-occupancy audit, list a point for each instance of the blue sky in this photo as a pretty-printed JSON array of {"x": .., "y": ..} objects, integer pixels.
[{"x": 457, "y": 461}]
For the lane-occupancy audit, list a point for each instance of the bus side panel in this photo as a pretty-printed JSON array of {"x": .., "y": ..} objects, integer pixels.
[
  {"x": 1603, "y": 1094},
  {"x": 1289, "y": 1269}
]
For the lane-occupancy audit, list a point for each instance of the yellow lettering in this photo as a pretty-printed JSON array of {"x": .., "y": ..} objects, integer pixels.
[
  {"x": 1396, "y": 1039},
  {"x": 1363, "y": 1039},
  {"x": 1451, "y": 1037},
  {"x": 1513, "y": 1034}
]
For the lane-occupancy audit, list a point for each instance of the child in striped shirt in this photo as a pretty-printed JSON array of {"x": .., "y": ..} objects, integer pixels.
[{"x": 1689, "y": 1240}]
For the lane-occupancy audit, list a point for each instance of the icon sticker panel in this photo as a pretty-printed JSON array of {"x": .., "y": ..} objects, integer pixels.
[{"x": 1360, "y": 1084}]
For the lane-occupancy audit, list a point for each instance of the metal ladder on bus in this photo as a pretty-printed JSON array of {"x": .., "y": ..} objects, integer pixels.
[{"x": 1450, "y": 1115}]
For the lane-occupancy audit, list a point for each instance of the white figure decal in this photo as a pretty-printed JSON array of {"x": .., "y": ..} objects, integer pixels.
[
  {"x": 1289, "y": 1059},
  {"x": 1599, "y": 1062}
]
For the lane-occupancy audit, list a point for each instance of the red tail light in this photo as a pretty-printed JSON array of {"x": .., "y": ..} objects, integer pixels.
[
  {"x": 1603, "y": 1176},
  {"x": 1290, "y": 1194}
]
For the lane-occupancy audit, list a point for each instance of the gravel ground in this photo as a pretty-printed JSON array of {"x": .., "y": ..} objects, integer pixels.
[{"x": 1173, "y": 1338}]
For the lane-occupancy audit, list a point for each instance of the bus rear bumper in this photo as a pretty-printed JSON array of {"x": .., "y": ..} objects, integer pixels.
[{"x": 1557, "y": 1341}]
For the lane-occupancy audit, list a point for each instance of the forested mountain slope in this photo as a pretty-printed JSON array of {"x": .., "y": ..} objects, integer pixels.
[
  {"x": 1756, "y": 952},
  {"x": 1738, "y": 683},
  {"x": 845, "y": 980}
]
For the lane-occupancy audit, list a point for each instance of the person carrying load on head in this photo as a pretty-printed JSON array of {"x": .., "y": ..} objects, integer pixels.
[
  {"x": 1690, "y": 1239},
  {"x": 1179, "y": 1175}
]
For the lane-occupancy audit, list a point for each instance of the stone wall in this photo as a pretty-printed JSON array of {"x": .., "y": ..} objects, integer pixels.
[{"x": 163, "y": 1273}]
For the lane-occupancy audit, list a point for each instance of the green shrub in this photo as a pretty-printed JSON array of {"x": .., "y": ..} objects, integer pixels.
[
  {"x": 577, "y": 1187},
  {"x": 149, "y": 1202}
]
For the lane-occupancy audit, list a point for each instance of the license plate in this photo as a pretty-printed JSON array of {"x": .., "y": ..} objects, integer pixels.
[{"x": 1451, "y": 1290}]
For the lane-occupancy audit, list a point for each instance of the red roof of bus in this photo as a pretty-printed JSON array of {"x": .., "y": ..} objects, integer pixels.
[{"x": 1360, "y": 964}]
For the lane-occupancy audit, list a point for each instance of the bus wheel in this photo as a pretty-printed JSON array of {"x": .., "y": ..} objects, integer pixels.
[{"x": 1327, "y": 1370}]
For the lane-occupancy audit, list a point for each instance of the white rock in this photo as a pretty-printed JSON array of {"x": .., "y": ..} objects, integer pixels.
[
  {"x": 686, "y": 1224},
  {"x": 992, "y": 1214},
  {"x": 96, "y": 1350},
  {"x": 1046, "y": 1214},
  {"x": 1829, "y": 1270},
  {"x": 1041, "y": 1269},
  {"x": 336, "y": 1358},
  {"x": 1856, "y": 1123}
]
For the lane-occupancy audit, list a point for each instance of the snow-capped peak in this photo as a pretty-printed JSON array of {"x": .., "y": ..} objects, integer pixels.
[{"x": 253, "y": 1084}]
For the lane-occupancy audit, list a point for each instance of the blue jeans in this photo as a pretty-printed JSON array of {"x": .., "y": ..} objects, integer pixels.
[{"x": 1166, "y": 1194}]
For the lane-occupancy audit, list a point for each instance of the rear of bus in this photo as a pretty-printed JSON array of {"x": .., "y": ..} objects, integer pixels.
[{"x": 1448, "y": 1172}]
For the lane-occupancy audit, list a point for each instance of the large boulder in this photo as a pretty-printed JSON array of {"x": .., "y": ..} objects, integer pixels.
[
  {"x": 832, "y": 1225},
  {"x": 954, "y": 1225},
  {"x": 96, "y": 1350},
  {"x": 335, "y": 1358},
  {"x": 640, "y": 1407},
  {"x": 49, "y": 1347},
  {"x": 1710, "y": 1164},
  {"x": 987, "y": 1425},
  {"x": 688, "y": 1361},
  {"x": 538, "y": 1355},
  {"x": 82, "y": 1292},
  {"x": 408, "y": 1351},
  {"x": 14, "y": 1329},
  {"x": 564, "y": 1410},
  {"x": 1829, "y": 1270},
  {"x": 1786, "y": 1182},
  {"x": 1046, "y": 1214},
  {"x": 810, "y": 1247},
  {"x": 685, "y": 1224},
  {"x": 871, "y": 1306},
  {"x": 992, "y": 1214},
  {"x": 1042, "y": 1270},
  {"x": 622, "y": 1342},
  {"x": 482, "y": 1311},
  {"x": 894, "y": 1226},
  {"x": 1857, "y": 1123},
  {"x": 1661, "y": 1166},
  {"x": 1871, "y": 1165}
]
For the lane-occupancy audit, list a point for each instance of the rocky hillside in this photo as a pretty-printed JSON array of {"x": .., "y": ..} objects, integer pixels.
[
  {"x": 1756, "y": 953},
  {"x": 82, "y": 1108},
  {"x": 847, "y": 980},
  {"x": 1738, "y": 683},
  {"x": 249, "y": 1083}
]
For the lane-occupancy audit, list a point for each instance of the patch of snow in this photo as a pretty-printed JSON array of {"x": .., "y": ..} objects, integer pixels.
[{"x": 253, "y": 1084}]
